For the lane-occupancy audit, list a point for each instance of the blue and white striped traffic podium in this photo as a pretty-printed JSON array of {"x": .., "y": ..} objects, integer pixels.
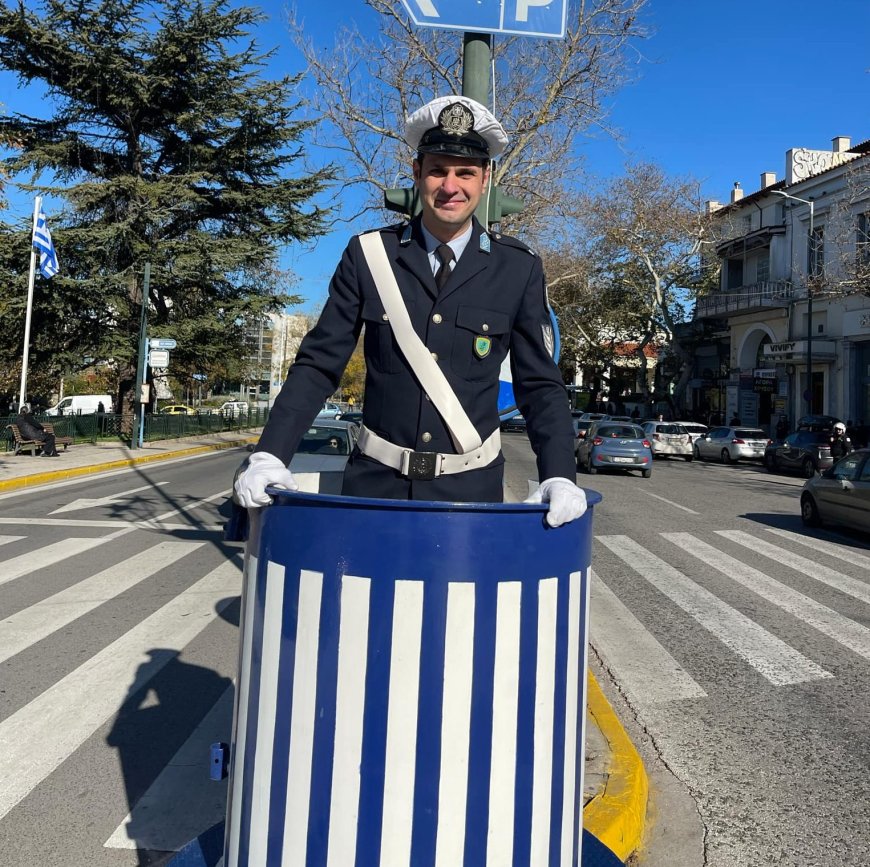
[{"x": 411, "y": 686}]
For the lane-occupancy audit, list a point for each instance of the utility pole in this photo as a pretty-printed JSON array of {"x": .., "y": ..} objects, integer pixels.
[{"x": 138, "y": 405}]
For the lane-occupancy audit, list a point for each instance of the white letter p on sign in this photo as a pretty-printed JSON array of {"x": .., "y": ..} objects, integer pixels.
[{"x": 523, "y": 7}]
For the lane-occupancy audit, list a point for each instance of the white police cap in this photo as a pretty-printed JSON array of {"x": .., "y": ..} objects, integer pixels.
[{"x": 455, "y": 125}]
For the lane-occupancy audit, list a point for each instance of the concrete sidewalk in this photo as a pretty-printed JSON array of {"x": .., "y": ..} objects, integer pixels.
[{"x": 615, "y": 781}]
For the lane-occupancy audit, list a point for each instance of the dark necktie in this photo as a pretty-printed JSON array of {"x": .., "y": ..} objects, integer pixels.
[{"x": 445, "y": 254}]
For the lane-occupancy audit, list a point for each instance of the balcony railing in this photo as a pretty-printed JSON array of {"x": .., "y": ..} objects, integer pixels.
[{"x": 771, "y": 293}]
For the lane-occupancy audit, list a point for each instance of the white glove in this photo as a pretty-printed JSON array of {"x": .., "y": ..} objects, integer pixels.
[
  {"x": 567, "y": 501},
  {"x": 263, "y": 469}
]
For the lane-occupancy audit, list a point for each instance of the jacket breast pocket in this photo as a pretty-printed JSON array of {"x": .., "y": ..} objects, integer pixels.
[
  {"x": 480, "y": 342},
  {"x": 381, "y": 349}
]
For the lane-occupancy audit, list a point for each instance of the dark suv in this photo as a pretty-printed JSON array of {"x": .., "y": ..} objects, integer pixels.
[{"x": 805, "y": 451}]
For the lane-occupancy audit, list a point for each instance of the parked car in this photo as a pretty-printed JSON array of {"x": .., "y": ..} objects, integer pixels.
[
  {"x": 515, "y": 424},
  {"x": 731, "y": 444},
  {"x": 694, "y": 428},
  {"x": 817, "y": 422},
  {"x": 625, "y": 418},
  {"x": 615, "y": 446},
  {"x": 581, "y": 426},
  {"x": 177, "y": 409},
  {"x": 669, "y": 438},
  {"x": 82, "y": 404},
  {"x": 805, "y": 451},
  {"x": 318, "y": 467},
  {"x": 840, "y": 495},
  {"x": 591, "y": 416},
  {"x": 353, "y": 415},
  {"x": 329, "y": 410}
]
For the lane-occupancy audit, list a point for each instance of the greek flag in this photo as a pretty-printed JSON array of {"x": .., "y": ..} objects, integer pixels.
[{"x": 48, "y": 266}]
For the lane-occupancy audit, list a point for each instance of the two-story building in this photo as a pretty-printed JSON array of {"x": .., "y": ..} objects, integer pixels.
[{"x": 793, "y": 301}]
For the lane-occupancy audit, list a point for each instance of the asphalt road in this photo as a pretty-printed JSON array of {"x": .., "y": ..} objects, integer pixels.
[
  {"x": 740, "y": 644},
  {"x": 737, "y": 643}
]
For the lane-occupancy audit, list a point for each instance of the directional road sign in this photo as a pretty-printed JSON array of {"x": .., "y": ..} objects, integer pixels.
[
  {"x": 161, "y": 343},
  {"x": 522, "y": 17},
  {"x": 158, "y": 358}
]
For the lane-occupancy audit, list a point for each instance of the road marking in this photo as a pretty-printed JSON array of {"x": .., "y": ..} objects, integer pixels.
[
  {"x": 767, "y": 654},
  {"x": 49, "y": 555},
  {"x": 837, "y": 580},
  {"x": 87, "y": 503},
  {"x": 826, "y": 620},
  {"x": 32, "y": 624},
  {"x": 644, "y": 668},
  {"x": 5, "y": 540},
  {"x": 158, "y": 822},
  {"x": 832, "y": 549},
  {"x": 670, "y": 503},
  {"x": 39, "y": 737}
]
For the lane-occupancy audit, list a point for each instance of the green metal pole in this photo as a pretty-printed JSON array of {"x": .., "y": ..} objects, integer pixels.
[
  {"x": 476, "y": 63},
  {"x": 140, "y": 367}
]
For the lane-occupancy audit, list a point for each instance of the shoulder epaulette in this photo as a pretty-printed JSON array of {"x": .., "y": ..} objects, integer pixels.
[{"x": 510, "y": 241}]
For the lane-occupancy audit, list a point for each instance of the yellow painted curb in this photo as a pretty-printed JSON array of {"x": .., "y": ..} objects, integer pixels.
[
  {"x": 73, "y": 472},
  {"x": 616, "y": 815}
]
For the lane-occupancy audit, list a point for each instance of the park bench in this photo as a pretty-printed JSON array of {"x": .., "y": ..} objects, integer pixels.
[{"x": 20, "y": 444}]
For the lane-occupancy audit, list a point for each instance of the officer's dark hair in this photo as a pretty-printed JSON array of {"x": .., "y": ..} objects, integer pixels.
[{"x": 484, "y": 163}]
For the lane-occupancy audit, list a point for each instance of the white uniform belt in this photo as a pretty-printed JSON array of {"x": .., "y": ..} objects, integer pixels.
[{"x": 427, "y": 465}]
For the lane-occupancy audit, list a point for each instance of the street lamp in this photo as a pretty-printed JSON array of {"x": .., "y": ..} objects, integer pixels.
[{"x": 811, "y": 258}]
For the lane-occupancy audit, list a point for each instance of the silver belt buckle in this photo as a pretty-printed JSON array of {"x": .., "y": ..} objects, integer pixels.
[{"x": 421, "y": 466}]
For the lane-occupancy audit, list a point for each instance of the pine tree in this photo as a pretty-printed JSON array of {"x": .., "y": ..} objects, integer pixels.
[{"x": 167, "y": 145}]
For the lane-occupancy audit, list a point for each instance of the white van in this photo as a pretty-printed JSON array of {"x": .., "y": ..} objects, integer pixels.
[{"x": 82, "y": 404}]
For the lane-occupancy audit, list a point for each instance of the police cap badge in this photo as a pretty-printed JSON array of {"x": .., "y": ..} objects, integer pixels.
[{"x": 455, "y": 125}]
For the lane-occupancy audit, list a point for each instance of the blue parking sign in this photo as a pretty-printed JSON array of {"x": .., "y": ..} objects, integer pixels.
[{"x": 521, "y": 17}]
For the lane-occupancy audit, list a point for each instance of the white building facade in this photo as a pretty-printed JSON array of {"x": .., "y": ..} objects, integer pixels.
[{"x": 794, "y": 292}]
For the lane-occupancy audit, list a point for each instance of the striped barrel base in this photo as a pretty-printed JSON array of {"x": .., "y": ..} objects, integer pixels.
[{"x": 411, "y": 687}]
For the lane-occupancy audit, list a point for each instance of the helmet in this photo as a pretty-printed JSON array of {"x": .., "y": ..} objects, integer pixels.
[{"x": 839, "y": 426}]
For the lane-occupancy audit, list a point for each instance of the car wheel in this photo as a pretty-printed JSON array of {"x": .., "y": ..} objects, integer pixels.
[
  {"x": 808, "y": 468},
  {"x": 726, "y": 456},
  {"x": 697, "y": 453},
  {"x": 590, "y": 469},
  {"x": 770, "y": 463},
  {"x": 810, "y": 512},
  {"x": 646, "y": 473}
]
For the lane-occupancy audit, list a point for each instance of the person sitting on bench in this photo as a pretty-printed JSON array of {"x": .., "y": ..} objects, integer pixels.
[{"x": 31, "y": 429}]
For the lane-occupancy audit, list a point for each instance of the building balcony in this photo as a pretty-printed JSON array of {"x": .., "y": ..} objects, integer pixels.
[{"x": 744, "y": 299}]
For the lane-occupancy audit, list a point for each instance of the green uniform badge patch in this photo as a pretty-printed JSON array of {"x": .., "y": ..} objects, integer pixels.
[{"x": 482, "y": 345}]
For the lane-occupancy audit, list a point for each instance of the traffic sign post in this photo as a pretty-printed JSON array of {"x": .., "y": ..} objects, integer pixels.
[
  {"x": 158, "y": 358},
  {"x": 161, "y": 343},
  {"x": 545, "y": 18}
]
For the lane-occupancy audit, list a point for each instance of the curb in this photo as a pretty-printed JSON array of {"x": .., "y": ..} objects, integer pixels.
[
  {"x": 73, "y": 472},
  {"x": 617, "y": 814}
]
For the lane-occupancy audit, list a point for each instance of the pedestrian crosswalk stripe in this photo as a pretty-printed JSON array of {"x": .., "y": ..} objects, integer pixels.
[
  {"x": 5, "y": 540},
  {"x": 832, "y": 549},
  {"x": 844, "y": 583},
  {"x": 770, "y": 656},
  {"x": 37, "y": 738},
  {"x": 644, "y": 669},
  {"x": 48, "y": 555},
  {"x": 829, "y": 622},
  {"x": 20, "y": 631}
]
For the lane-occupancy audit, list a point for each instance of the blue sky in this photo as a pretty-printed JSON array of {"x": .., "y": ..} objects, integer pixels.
[{"x": 724, "y": 88}]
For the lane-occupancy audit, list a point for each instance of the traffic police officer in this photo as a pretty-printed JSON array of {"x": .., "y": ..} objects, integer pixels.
[{"x": 471, "y": 297}]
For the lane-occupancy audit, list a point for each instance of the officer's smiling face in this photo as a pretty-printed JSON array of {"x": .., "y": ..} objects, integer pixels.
[{"x": 450, "y": 188}]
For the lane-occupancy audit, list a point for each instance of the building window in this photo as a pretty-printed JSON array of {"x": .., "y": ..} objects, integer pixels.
[
  {"x": 762, "y": 270},
  {"x": 816, "y": 252},
  {"x": 734, "y": 275},
  {"x": 862, "y": 239}
]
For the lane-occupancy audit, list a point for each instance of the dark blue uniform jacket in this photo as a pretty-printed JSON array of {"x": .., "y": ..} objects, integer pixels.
[{"x": 495, "y": 291}]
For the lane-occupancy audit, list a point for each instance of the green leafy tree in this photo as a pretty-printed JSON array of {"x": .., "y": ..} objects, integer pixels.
[{"x": 166, "y": 145}]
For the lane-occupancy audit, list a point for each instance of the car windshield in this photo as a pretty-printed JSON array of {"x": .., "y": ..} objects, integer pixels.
[{"x": 324, "y": 441}]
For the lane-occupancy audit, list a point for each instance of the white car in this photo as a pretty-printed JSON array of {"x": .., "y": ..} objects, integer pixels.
[
  {"x": 669, "y": 438},
  {"x": 732, "y": 444},
  {"x": 234, "y": 408},
  {"x": 330, "y": 410},
  {"x": 694, "y": 428}
]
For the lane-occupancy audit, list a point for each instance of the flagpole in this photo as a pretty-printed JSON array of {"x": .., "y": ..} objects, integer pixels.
[{"x": 22, "y": 394}]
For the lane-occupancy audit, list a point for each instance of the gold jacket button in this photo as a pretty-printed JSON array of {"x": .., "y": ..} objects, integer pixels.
[
  {"x": 437, "y": 318},
  {"x": 485, "y": 327},
  {"x": 427, "y": 437},
  {"x": 385, "y": 318},
  {"x": 435, "y": 356}
]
